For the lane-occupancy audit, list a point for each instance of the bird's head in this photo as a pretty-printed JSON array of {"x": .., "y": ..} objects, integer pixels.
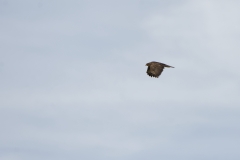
[{"x": 150, "y": 63}]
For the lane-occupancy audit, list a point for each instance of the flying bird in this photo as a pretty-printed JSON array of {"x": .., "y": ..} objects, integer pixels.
[{"x": 155, "y": 68}]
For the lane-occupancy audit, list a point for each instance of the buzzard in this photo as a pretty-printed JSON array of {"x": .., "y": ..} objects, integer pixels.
[{"x": 155, "y": 68}]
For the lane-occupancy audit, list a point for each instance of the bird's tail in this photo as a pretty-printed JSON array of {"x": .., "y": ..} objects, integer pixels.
[{"x": 168, "y": 66}]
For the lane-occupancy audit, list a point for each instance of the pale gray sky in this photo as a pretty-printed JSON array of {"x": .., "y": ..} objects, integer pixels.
[{"x": 73, "y": 82}]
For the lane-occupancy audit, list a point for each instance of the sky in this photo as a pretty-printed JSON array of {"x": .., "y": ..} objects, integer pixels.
[{"x": 73, "y": 82}]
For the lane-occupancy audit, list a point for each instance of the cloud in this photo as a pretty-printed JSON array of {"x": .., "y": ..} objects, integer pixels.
[{"x": 73, "y": 82}]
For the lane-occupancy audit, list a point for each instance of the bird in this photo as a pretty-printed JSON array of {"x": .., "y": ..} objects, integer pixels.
[{"x": 155, "y": 68}]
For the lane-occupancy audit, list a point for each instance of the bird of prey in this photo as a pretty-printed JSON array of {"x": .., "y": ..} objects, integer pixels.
[{"x": 155, "y": 68}]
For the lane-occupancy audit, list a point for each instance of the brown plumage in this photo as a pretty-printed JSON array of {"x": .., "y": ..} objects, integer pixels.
[{"x": 155, "y": 68}]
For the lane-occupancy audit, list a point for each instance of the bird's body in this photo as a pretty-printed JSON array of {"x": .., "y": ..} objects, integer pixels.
[{"x": 155, "y": 68}]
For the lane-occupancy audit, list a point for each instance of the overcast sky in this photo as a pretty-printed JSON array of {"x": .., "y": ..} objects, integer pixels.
[{"x": 73, "y": 82}]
